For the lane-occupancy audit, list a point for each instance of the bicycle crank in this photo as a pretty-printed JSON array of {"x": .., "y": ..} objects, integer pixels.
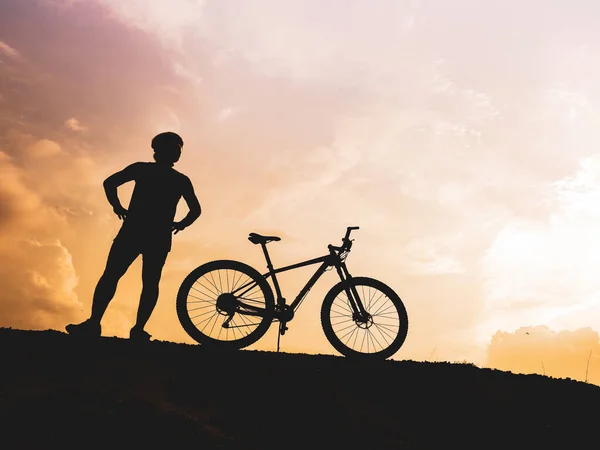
[
  {"x": 282, "y": 328},
  {"x": 284, "y": 313}
]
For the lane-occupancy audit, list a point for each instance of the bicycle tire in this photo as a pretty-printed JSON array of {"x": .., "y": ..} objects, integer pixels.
[
  {"x": 183, "y": 311},
  {"x": 337, "y": 342}
]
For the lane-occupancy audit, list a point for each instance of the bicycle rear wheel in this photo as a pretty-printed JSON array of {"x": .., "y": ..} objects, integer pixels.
[
  {"x": 225, "y": 304},
  {"x": 381, "y": 335}
]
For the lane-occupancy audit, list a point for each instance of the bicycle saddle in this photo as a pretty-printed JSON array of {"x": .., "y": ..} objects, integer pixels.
[{"x": 259, "y": 239}]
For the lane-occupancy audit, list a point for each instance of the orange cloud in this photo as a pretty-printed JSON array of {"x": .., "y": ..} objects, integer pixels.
[
  {"x": 37, "y": 273},
  {"x": 573, "y": 354},
  {"x": 38, "y": 285}
]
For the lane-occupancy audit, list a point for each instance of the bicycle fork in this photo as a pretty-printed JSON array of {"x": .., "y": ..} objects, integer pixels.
[{"x": 359, "y": 313}]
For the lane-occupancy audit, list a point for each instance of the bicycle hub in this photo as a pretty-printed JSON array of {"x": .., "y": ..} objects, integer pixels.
[
  {"x": 363, "y": 321},
  {"x": 226, "y": 304}
]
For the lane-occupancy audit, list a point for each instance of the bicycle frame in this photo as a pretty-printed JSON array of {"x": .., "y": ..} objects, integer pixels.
[
  {"x": 285, "y": 312},
  {"x": 332, "y": 259}
]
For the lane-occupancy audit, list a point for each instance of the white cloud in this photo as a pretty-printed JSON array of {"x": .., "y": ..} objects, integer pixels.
[
  {"x": 302, "y": 40},
  {"x": 74, "y": 125},
  {"x": 196, "y": 79},
  {"x": 545, "y": 271},
  {"x": 228, "y": 112},
  {"x": 169, "y": 121},
  {"x": 430, "y": 256},
  {"x": 169, "y": 21},
  {"x": 8, "y": 50}
]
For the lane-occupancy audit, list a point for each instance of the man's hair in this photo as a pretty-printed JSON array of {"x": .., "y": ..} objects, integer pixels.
[{"x": 166, "y": 140}]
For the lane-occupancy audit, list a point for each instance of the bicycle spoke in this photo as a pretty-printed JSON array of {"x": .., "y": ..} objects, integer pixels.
[
  {"x": 353, "y": 331},
  {"x": 363, "y": 341},
  {"x": 384, "y": 327},
  {"x": 347, "y": 327},
  {"x": 220, "y": 281},
  {"x": 246, "y": 324},
  {"x": 213, "y": 326},
  {"x": 218, "y": 321},
  {"x": 349, "y": 332},
  {"x": 365, "y": 299},
  {"x": 200, "y": 300},
  {"x": 339, "y": 317},
  {"x": 252, "y": 300},
  {"x": 375, "y": 339},
  {"x": 380, "y": 310},
  {"x": 386, "y": 332},
  {"x": 214, "y": 283},
  {"x": 209, "y": 286},
  {"x": 210, "y": 318},
  {"x": 373, "y": 334},
  {"x": 233, "y": 328},
  {"x": 235, "y": 283},
  {"x": 201, "y": 307},
  {"x": 200, "y": 315},
  {"x": 238, "y": 326},
  {"x": 343, "y": 315},
  {"x": 347, "y": 311},
  {"x": 205, "y": 287},
  {"x": 382, "y": 295},
  {"x": 249, "y": 308},
  {"x": 341, "y": 304},
  {"x": 355, "y": 337}
]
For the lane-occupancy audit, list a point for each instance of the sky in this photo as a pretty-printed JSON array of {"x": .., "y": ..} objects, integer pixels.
[{"x": 462, "y": 137}]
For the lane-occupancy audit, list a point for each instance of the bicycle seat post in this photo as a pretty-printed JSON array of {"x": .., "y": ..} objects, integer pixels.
[{"x": 272, "y": 272}]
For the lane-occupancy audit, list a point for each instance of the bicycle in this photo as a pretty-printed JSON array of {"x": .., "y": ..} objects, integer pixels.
[{"x": 233, "y": 304}]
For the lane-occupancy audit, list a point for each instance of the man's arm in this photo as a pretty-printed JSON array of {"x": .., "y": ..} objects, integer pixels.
[
  {"x": 193, "y": 204},
  {"x": 113, "y": 182}
]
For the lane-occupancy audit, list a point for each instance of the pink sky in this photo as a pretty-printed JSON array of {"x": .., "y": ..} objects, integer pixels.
[{"x": 462, "y": 137}]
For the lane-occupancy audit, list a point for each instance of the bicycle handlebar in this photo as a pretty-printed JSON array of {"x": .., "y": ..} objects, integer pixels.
[
  {"x": 348, "y": 231},
  {"x": 347, "y": 243}
]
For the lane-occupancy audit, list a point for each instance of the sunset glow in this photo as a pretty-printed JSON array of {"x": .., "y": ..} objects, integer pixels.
[{"x": 462, "y": 137}]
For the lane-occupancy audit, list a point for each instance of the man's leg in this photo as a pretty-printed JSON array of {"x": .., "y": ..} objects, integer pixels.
[
  {"x": 152, "y": 265},
  {"x": 121, "y": 256}
]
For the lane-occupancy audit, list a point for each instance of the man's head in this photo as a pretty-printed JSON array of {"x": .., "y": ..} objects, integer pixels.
[{"x": 167, "y": 147}]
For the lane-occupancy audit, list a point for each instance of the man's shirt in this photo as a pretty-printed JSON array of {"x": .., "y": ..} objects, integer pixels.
[{"x": 153, "y": 205}]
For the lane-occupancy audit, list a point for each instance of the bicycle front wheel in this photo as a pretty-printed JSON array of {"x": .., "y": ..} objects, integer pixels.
[
  {"x": 225, "y": 304},
  {"x": 378, "y": 335}
]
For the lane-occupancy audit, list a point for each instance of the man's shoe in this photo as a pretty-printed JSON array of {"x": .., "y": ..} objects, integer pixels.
[
  {"x": 139, "y": 335},
  {"x": 87, "y": 328}
]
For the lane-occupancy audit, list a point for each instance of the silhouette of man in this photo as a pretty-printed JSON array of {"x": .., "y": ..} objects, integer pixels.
[{"x": 147, "y": 230}]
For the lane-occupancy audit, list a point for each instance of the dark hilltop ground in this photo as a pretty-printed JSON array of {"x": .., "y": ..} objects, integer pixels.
[{"x": 60, "y": 392}]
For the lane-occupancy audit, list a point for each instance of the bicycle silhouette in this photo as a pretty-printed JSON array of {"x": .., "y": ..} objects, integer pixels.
[{"x": 228, "y": 304}]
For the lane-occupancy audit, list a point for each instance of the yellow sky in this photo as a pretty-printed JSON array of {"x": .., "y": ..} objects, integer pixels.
[{"x": 462, "y": 137}]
